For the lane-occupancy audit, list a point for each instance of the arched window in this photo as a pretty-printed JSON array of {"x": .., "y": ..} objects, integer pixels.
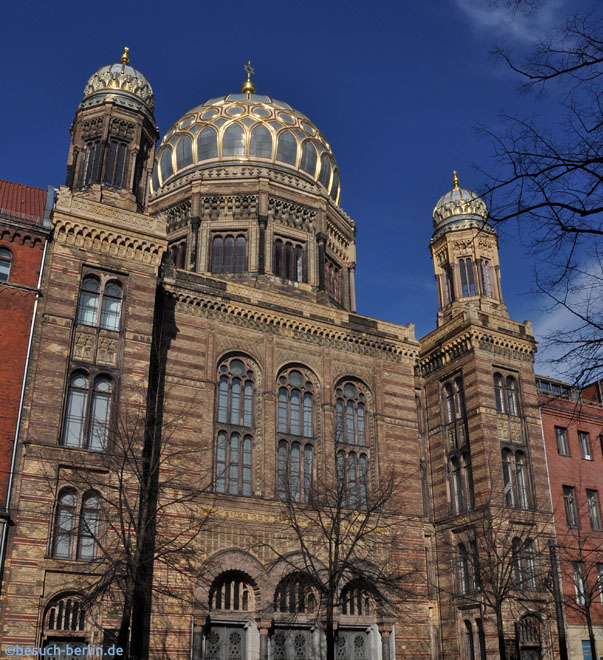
[
  {"x": 6, "y": 258},
  {"x": 65, "y": 614},
  {"x": 240, "y": 254},
  {"x": 512, "y": 407},
  {"x": 350, "y": 415},
  {"x": 88, "y": 527},
  {"x": 233, "y": 141},
  {"x": 184, "y": 152},
  {"x": 167, "y": 169},
  {"x": 87, "y": 312},
  {"x": 486, "y": 281},
  {"x": 524, "y": 564},
  {"x": 335, "y": 186},
  {"x": 499, "y": 394},
  {"x": 467, "y": 277},
  {"x": 108, "y": 298},
  {"x": 288, "y": 260},
  {"x": 449, "y": 400},
  {"x": 261, "y": 142},
  {"x": 461, "y": 481},
  {"x": 76, "y": 536},
  {"x": 457, "y": 486},
  {"x": 459, "y": 397},
  {"x": 296, "y": 594},
  {"x": 508, "y": 477},
  {"x": 87, "y": 419},
  {"x": 207, "y": 144},
  {"x": 355, "y": 599},
  {"x": 529, "y": 637},
  {"x": 325, "y": 171},
  {"x": 515, "y": 478},
  {"x": 232, "y": 591},
  {"x": 235, "y": 425},
  {"x": 64, "y": 524},
  {"x": 111, "y": 306},
  {"x": 286, "y": 150},
  {"x": 308, "y": 159},
  {"x": 295, "y": 423}
]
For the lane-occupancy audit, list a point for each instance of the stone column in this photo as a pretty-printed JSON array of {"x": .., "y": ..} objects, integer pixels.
[
  {"x": 195, "y": 223},
  {"x": 262, "y": 221},
  {"x": 321, "y": 240}
]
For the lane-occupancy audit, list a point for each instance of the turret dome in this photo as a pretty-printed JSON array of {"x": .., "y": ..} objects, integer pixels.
[
  {"x": 249, "y": 129},
  {"x": 460, "y": 207},
  {"x": 125, "y": 83}
]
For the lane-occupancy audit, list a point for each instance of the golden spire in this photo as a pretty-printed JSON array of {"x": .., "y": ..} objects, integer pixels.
[
  {"x": 455, "y": 180},
  {"x": 248, "y": 87},
  {"x": 125, "y": 58}
]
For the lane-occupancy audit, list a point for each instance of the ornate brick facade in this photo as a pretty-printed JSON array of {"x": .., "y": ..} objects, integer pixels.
[{"x": 208, "y": 329}]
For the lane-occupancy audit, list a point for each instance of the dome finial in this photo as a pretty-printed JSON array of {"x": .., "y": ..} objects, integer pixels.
[
  {"x": 248, "y": 87},
  {"x": 125, "y": 58},
  {"x": 455, "y": 180}
]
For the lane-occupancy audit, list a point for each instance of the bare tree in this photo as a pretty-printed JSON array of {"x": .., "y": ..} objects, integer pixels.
[
  {"x": 343, "y": 534},
  {"x": 551, "y": 181},
  {"x": 500, "y": 561}
]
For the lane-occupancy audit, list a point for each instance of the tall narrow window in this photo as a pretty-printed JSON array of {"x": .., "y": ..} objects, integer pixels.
[
  {"x": 449, "y": 399},
  {"x": 584, "y": 440},
  {"x": 93, "y": 156},
  {"x": 464, "y": 570},
  {"x": 499, "y": 394},
  {"x": 184, "y": 152},
  {"x": 64, "y": 525},
  {"x": 295, "y": 420},
  {"x": 76, "y": 410},
  {"x": 449, "y": 283},
  {"x": 234, "y": 427},
  {"x": 512, "y": 407},
  {"x": 350, "y": 422},
  {"x": 6, "y": 258},
  {"x": 111, "y": 307},
  {"x": 470, "y": 644},
  {"x": 508, "y": 477},
  {"x": 571, "y": 513},
  {"x": 288, "y": 260},
  {"x": 561, "y": 438},
  {"x": 580, "y": 583},
  {"x": 485, "y": 278},
  {"x": 87, "y": 311},
  {"x": 100, "y": 413},
  {"x": 521, "y": 480},
  {"x": 89, "y": 527},
  {"x": 87, "y": 422},
  {"x": 594, "y": 513},
  {"x": 116, "y": 164},
  {"x": 467, "y": 277}
]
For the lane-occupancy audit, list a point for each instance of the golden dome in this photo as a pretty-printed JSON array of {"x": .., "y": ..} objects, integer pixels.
[
  {"x": 250, "y": 129},
  {"x": 122, "y": 81},
  {"x": 459, "y": 205}
]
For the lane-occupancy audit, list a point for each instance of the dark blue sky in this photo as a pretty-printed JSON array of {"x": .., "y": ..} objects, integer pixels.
[{"x": 397, "y": 88}]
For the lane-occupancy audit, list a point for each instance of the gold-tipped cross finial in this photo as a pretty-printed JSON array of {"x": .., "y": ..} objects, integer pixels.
[
  {"x": 125, "y": 58},
  {"x": 455, "y": 179},
  {"x": 248, "y": 87}
]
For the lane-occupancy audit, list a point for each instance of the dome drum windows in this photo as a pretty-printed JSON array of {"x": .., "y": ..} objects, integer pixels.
[
  {"x": 296, "y": 594},
  {"x": 117, "y": 162},
  {"x": 229, "y": 253},
  {"x": 235, "y": 425},
  {"x": 333, "y": 280},
  {"x": 467, "y": 277},
  {"x": 232, "y": 591},
  {"x": 289, "y": 260}
]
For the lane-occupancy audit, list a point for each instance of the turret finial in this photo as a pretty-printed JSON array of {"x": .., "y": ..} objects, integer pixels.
[
  {"x": 455, "y": 180},
  {"x": 125, "y": 58},
  {"x": 248, "y": 87}
]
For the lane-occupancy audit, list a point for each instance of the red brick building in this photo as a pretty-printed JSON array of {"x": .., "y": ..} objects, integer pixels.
[
  {"x": 24, "y": 230},
  {"x": 572, "y": 423}
]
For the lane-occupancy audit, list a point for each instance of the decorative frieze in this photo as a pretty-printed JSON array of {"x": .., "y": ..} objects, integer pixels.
[{"x": 291, "y": 214}]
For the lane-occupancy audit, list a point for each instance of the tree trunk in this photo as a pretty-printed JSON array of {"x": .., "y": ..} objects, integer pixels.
[
  {"x": 502, "y": 649},
  {"x": 591, "y": 633}
]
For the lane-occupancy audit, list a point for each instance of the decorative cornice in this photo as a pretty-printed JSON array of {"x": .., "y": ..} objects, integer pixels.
[
  {"x": 106, "y": 229},
  {"x": 209, "y": 305}
]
